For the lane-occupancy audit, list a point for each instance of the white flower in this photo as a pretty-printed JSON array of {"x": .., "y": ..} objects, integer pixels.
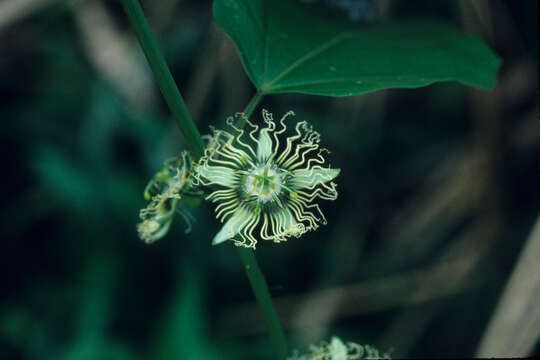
[{"x": 267, "y": 187}]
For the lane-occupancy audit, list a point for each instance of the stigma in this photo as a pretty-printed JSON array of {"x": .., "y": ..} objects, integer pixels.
[{"x": 263, "y": 183}]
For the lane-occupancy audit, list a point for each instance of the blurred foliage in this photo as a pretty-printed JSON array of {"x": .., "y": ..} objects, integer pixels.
[{"x": 78, "y": 283}]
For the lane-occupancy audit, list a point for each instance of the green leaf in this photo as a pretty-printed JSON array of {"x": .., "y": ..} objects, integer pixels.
[{"x": 286, "y": 48}]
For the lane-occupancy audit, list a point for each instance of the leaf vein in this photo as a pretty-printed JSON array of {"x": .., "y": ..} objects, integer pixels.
[{"x": 318, "y": 50}]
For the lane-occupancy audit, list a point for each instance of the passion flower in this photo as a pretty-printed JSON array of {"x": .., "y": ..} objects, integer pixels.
[
  {"x": 267, "y": 183},
  {"x": 336, "y": 349}
]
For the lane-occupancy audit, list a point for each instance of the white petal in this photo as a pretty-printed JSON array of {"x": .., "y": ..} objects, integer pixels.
[
  {"x": 219, "y": 175},
  {"x": 289, "y": 222},
  {"x": 312, "y": 177},
  {"x": 233, "y": 226},
  {"x": 264, "y": 148}
]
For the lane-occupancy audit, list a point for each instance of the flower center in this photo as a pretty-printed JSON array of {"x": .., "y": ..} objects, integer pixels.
[{"x": 264, "y": 183}]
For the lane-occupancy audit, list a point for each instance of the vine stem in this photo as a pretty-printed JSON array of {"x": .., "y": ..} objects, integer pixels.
[
  {"x": 260, "y": 289},
  {"x": 164, "y": 78},
  {"x": 251, "y": 106},
  {"x": 195, "y": 144}
]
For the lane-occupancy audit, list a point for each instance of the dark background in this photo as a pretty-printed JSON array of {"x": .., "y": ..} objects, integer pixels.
[{"x": 437, "y": 196}]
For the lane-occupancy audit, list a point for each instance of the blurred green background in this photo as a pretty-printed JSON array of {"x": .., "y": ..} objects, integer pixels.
[{"x": 438, "y": 192}]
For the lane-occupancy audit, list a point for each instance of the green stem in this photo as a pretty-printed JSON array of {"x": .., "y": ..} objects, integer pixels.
[
  {"x": 164, "y": 78},
  {"x": 258, "y": 284},
  {"x": 251, "y": 106},
  {"x": 185, "y": 123}
]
